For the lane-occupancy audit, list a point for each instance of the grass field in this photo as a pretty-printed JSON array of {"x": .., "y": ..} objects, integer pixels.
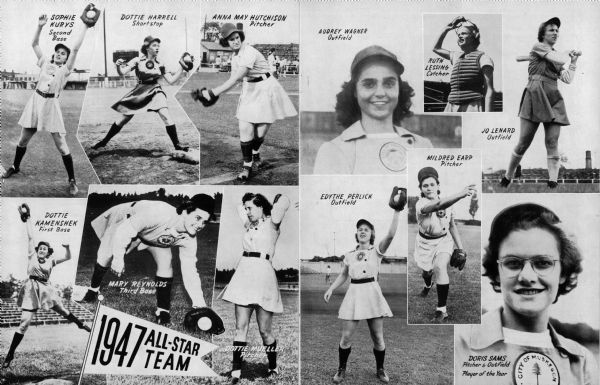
[
  {"x": 464, "y": 299},
  {"x": 42, "y": 169},
  {"x": 220, "y": 144},
  {"x": 140, "y": 153},
  {"x": 494, "y": 187},
  {"x": 414, "y": 354}
]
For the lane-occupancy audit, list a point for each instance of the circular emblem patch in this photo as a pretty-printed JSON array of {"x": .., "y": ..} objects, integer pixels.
[
  {"x": 360, "y": 256},
  {"x": 535, "y": 368},
  {"x": 166, "y": 240},
  {"x": 149, "y": 65},
  {"x": 440, "y": 213},
  {"x": 393, "y": 156}
]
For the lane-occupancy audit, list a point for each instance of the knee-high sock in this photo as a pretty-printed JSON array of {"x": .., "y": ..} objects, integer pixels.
[
  {"x": 515, "y": 159},
  {"x": 163, "y": 292},
  {"x": 256, "y": 143},
  {"x": 172, "y": 132},
  {"x": 114, "y": 130},
  {"x": 238, "y": 352},
  {"x": 17, "y": 338},
  {"x": 68, "y": 161},
  {"x": 553, "y": 167},
  {"x": 427, "y": 275},
  {"x": 271, "y": 351},
  {"x": 98, "y": 275},
  {"x": 19, "y": 153},
  {"x": 379, "y": 357},
  {"x": 246, "y": 151},
  {"x": 344, "y": 354},
  {"x": 442, "y": 292}
]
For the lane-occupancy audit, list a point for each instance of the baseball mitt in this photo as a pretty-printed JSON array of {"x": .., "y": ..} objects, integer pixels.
[
  {"x": 186, "y": 62},
  {"x": 205, "y": 96},
  {"x": 24, "y": 212},
  {"x": 193, "y": 316},
  {"x": 458, "y": 259},
  {"x": 90, "y": 15},
  {"x": 398, "y": 198}
]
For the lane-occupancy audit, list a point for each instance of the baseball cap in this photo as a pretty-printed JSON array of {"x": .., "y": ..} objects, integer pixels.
[
  {"x": 375, "y": 51},
  {"x": 364, "y": 222},
  {"x": 427, "y": 172}
]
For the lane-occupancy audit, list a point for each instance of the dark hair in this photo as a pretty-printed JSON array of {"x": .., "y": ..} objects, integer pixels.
[
  {"x": 50, "y": 249},
  {"x": 258, "y": 200},
  {"x": 347, "y": 110},
  {"x": 542, "y": 29},
  {"x": 145, "y": 46},
  {"x": 199, "y": 201},
  {"x": 225, "y": 43},
  {"x": 527, "y": 216},
  {"x": 64, "y": 48},
  {"x": 436, "y": 181}
]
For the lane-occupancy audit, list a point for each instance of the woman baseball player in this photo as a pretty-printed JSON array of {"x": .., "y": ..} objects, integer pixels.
[
  {"x": 542, "y": 102},
  {"x": 262, "y": 101},
  {"x": 148, "y": 95},
  {"x": 42, "y": 111},
  {"x": 254, "y": 286},
  {"x": 370, "y": 107},
  {"x": 531, "y": 261},
  {"x": 437, "y": 236},
  {"x": 37, "y": 292},
  {"x": 364, "y": 299},
  {"x": 156, "y": 226}
]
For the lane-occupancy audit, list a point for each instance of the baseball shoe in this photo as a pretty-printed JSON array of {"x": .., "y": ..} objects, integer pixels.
[
  {"x": 163, "y": 318},
  {"x": 179, "y": 147},
  {"x": 504, "y": 182},
  {"x": 552, "y": 184},
  {"x": 99, "y": 145},
  {"x": 85, "y": 327},
  {"x": 425, "y": 291},
  {"x": 73, "y": 189},
  {"x": 235, "y": 376},
  {"x": 90, "y": 296},
  {"x": 440, "y": 317},
  {"x": 7, "y": 360},
  {"x": 272, "y": 372},
  {"x": 10, "y": 172},
  {"x": 244, "y": 175},
  {"x": 256, "y": 162},
  {"x": 339, "y": 376},
  {"x": 382, "y": 376}
]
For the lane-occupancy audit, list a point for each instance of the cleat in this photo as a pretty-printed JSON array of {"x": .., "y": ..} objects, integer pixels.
[
  {"x": 179, "y": 147},
  {"x": 256, "y": 162},
  {"x": 99, "y": 145},
  {"x": 90, "y": 296},
  {"x": 7, "y": 361},
  {"x": 425, "y": 291},
  {"x": 235, "y": 376},
  {"x": 504, "y": 182},
  {"x": 163, "y": 318},
  {"x": 272, "y": 372},
  {"x": 73, "y": 189},
  {"x": 339, "y": 376},
  {"x": 552, "y": 184},
  {"x": 86, "y": 328},
  {"x": 10, "y": 172},
  {"x": 440, "y": 317},
  {"x": 244, "y": 175},
  {"x": 382, "y": 376}
]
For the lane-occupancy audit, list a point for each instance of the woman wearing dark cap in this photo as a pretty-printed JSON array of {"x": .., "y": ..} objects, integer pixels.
[
  {"x": 364, "y": 299},
  {"x": 148, "y": 95},
  {"x": 542, "y": 102},
  {"x": 37, "y": 293},
  {"x": 437, "y": 236},
  {"x": 262, "y": 101},
  {"x": 370, "y": 108},
  {"x": 531, "y": 261},
  {"x": 43, "y": 111}
]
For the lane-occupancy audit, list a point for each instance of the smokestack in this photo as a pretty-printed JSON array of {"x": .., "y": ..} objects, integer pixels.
[{"x": 588, "y": 159}]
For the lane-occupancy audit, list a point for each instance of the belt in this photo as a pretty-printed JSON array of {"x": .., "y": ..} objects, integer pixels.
[
  {"x": 432, "y": 237},
  {"x": 260, "y": 78},
  {"x": 255, "y": 254},
  {"x": 542, "y": 77},
  {"x": 363, "y": 280},
  {"x": 44, "y": 94},
  {"x": 38, "y": 279}
]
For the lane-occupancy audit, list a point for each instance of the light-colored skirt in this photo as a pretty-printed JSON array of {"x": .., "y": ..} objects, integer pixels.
[
  {"x": 427, "y": 249},
  {"x": 264, "y": 102},
  {"x": 43, "y": 114},
  {"x": 144, "y": 97},
  {"x": 542, "y": 102},
  {"x": 35, "y": 295},
  {"x": 254, "y": 283},
  {"x": 364, "y": 301}
]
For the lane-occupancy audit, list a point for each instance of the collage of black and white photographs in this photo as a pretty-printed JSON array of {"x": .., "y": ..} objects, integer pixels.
[{"x": 299, "y": 192}]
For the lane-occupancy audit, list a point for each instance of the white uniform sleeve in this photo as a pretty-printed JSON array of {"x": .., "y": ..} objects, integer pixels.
[
  {"x": 567, "y": 74},
  {"x": 485, "y": 60},
  {"x": 331, "y": 160},
  {"x": 248, "y": 57},
  {"x": 279, "y": 209},
  {"x": 41, "y": 61},
  {"x": 189, "y": 271}
]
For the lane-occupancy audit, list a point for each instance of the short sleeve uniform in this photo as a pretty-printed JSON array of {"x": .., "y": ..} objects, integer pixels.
[
  {"x": 37, "y": 292},
  {"x": 263, "y": 99},
  {"x": 364, "y": 299},
  {"x": 42, "y": 110},
  {"x": 148, "y": 95},
  {"x": 433, "y": 236}
]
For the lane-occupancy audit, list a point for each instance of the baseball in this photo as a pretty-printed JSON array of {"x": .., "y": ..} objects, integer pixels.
[
  {"x": 90, "y": 14},
  {"x": 204, "y": 323}
]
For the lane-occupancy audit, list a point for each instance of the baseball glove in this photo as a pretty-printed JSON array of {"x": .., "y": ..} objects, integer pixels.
[
  {"x": 90, "y": 15},
  {"x": 24, "y": 212},
  {"x": 205, "y": 96},
  {"x": 191, "y": 320},
  {"x": 458, "y": 259},
  {"x": 186, "y": 62},
  {"x": 398, "y": 204}
]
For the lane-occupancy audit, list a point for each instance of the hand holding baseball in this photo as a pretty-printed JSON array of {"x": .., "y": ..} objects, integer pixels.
[
  {"x": 42, "y": 20},
  {"x": 469, "y": 190},
  {"x": 120, "y": 62}
]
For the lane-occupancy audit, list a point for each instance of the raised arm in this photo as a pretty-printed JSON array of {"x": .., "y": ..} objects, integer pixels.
[
  {"x": 281, "y": 204},
  {"x": 232, "y": 81},
  {"x": 42, "y": 20},
  {"x": 444, "y": 203},
  {"x": 567, "y": 75},
  {"x": 339, "y": 281},
  {"x": 30, "y": 239},
  {"x": 437, "y": 48},
  {"x": 387, "y": 239},
  {"x": 76, "y": 46},
  {"x": 67, "y": 255}
]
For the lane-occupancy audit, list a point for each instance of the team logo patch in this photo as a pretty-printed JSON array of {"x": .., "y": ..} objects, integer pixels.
[
  {"x": 440, "y": 213},
  {"x": 166, "y": 240},
  {"x": 360, "y": 256},
  {"x": 393, "y": 156},
  {"x": 535, "y": 368},
  {"x": 149, "y": 65}
]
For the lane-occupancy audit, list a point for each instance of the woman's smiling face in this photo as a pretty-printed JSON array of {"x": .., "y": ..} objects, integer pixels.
[{"x": 377, "y": 90}]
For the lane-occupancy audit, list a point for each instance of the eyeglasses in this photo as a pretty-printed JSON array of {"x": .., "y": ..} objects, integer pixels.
[{"x": 541, "y": 265}]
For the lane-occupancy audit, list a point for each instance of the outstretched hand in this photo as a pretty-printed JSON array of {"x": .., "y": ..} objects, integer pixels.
[{"x": 42, "y": 20}]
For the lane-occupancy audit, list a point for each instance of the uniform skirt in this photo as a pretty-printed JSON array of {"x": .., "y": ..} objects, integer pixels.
[
  {"x": 35, "y": 295},
  {"x": 427, "y": 249},
  {"x": 264, "y": 102},
  {"x": 542, "y": 102},
  {"x": 144, "y": 97},
  {"x": 254, "y": 283},
  {"x": 364, "y": 301},
  {"x": 44, "y": 114}
]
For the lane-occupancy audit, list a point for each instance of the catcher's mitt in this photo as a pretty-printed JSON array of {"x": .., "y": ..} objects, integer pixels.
[
  {"x": 458, "y": 259},
  {"x": 24, "y": 212},
  {"x": 186, "y": 62},
  {"x": 205, "y": 96},
  {"x": 193, "y": 316},
  {"x": 90, "y": 15},
  {"x": 399, "y": 203}
]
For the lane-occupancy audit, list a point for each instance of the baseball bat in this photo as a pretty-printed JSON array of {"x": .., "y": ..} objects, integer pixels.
[{"x": 522, "y": 58}]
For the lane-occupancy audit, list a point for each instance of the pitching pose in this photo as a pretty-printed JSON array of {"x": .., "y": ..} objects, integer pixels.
[
  {"x": 42, "y": 111},
  {"x": 254, "y": 284},
  {"x": 364, "y": 299},
  {"x": 542, "y": 102},
  {"x": 531, "y": 261},
  {"x": 434, "y": 246},
  {"x": 37, "y": 292},
  {"x": 472, "y": 77},
  {"x": 370, "y": 107},
  {"x": 148, "y": 95},
  {"x": 156, "y": 226},
  {"x": 262, "y": 100}
]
